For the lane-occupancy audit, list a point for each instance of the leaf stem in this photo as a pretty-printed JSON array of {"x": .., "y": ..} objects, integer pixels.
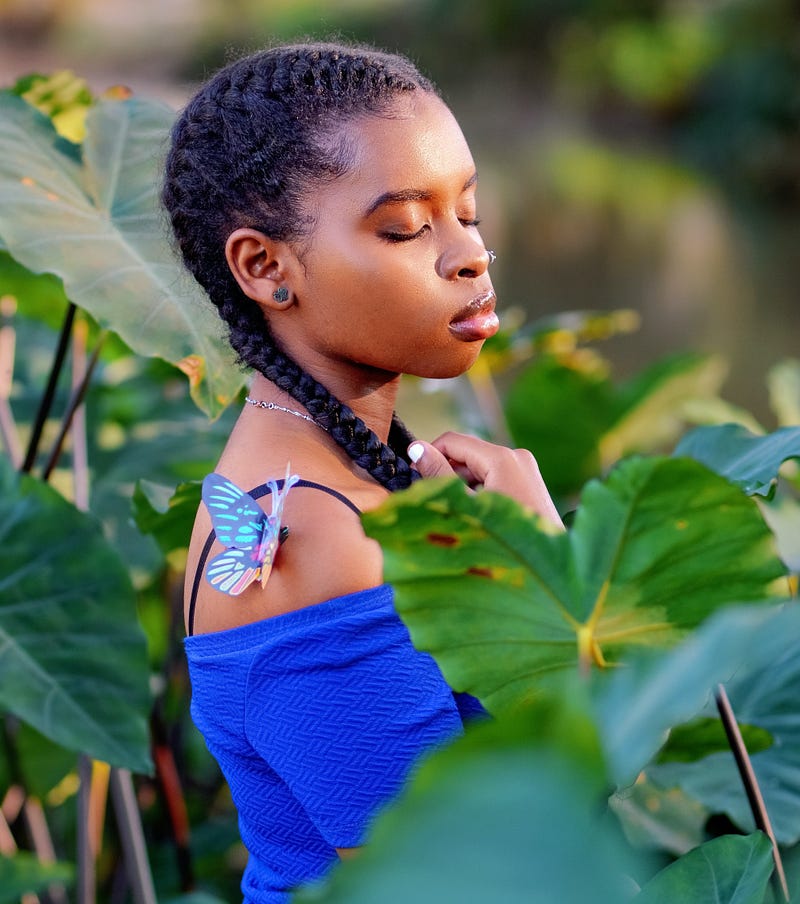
[
  {"x": 129, "y": 824},
  {"x": 80, "y": 454},
  {"x": 750, "y": 782},
  {"x": 49, "y": 394},
  {"x": 8, "y": 428},
  {"x": 86, "y": 855},
  {"x": 36, "y": 824},
  {"x": 74, "y": 402}
]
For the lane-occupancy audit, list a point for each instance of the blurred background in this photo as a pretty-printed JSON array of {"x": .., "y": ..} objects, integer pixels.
[{"x": 641, "y": 155}]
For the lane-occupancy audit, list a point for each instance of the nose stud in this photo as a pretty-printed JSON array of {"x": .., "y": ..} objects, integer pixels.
[{"x": 492, "y": 256}]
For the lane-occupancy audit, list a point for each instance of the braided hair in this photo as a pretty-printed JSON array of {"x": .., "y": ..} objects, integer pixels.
[{"x": 247, "y": 149}]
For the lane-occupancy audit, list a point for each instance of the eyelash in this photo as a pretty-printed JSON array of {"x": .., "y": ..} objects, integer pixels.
[{"x": 404, "y": 237}]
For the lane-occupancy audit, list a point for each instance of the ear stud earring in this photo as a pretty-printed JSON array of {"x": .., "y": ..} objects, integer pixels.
[
  {"x": 281, "y": 294},
  {"x": 492, "y": 256}
]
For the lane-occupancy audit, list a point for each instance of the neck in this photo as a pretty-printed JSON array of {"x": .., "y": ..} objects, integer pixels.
[{"x": 373, "y": 398}]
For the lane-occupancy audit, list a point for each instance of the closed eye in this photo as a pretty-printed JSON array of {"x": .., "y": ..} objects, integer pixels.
[
  {"x": 410, "y": 236},
  {"x": 404, "y": 236}
]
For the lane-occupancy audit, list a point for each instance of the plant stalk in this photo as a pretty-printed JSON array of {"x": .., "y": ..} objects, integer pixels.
[
  {"x": 132, "y": 837},
  {"x": 38, "y": 831},
  {"x": 49, "y": 394},
  {"x": 75, "y": 401},
  {"x": 80, "y": 452},
  {"x": 750, "y": 782},
  {"x": 8, "y": 429},
  {"x": 86, "y": 856}
]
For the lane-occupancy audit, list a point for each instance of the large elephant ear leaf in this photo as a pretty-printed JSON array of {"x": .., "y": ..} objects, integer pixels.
[
  {"x": 750, "y": 461},
  {"x": 502, "y": 603},
  {"x": 733, "y": 869},
  {"x": 93, "y": 219},
  {"x": 73, "y": 658}
]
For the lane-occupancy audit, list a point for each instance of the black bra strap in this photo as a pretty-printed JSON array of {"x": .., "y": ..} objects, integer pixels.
[{"x": 257, "y": 493}]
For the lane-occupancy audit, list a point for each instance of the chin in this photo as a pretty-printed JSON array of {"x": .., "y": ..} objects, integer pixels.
[{"x": 445, "y": 370}]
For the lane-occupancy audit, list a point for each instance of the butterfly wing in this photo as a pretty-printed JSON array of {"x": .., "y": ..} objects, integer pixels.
[
  {"x": 232, "y": 571},
  {"x": 238, "y": 519},
  {"x": 251, "y": 536}
]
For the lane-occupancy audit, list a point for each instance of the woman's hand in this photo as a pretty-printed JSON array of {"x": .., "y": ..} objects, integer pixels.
[{"x": 479, "y": 463}]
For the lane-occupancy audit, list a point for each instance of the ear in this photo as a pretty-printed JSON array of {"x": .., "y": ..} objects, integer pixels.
[{"x": 260, "y": 266}]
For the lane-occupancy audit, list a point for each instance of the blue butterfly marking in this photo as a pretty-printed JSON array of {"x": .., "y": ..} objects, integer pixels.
[{"x": 250, "y": 536}]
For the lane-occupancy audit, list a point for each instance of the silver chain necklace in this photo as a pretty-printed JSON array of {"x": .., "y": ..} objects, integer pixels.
[{"x": 273, "y": 406}]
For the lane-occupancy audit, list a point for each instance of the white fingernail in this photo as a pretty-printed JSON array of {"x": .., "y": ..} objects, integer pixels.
[{"x": 415, "y": 451}]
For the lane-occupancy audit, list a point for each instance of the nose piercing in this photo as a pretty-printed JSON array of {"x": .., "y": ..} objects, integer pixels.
[{"x": 492, "y": 256}]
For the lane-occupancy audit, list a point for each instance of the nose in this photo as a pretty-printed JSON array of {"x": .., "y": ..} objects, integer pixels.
[{"x": 466, "y": 258}]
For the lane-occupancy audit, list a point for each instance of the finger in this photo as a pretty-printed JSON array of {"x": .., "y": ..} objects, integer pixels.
[
  {"x": 470, "y": 456},
  {"x": 428, "y": 460}
]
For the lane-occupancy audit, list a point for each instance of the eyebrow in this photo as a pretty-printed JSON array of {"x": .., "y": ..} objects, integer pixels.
[{"x": 409, "y": 194}]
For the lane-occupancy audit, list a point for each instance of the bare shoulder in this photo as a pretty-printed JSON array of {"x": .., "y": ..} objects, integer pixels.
[{"x": 325, "y": 555}]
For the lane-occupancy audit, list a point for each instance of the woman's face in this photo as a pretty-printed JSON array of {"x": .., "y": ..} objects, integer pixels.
[{"x": 394, "y": 277}]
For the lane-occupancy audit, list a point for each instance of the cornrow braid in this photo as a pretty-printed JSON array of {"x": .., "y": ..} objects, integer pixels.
[{"x": 246, "y": 151}]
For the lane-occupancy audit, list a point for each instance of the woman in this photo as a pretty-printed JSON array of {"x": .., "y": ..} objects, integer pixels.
[{"x": 324, "y": 197}]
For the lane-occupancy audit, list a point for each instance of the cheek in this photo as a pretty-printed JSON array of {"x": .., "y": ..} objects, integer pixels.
[
  {"x": 390, "y": 298},
  {"x": 384, "y": 300}
]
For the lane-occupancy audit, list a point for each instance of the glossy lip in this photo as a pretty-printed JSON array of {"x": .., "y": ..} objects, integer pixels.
[{"x": 477, "y": 320}]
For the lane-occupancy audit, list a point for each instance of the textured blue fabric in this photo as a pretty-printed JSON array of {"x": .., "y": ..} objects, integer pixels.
[{"x": 316, "y": 718}]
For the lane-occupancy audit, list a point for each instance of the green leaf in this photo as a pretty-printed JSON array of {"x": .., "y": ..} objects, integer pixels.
[
  {"x": 734, "y": 869},
  {"x": 657, "y": 690},
  {"x": 42, "y": 763},
  {"x": 73, "y": 661},
  {"x": 23, "y": 874},
  {"x": 502, "y": 603},
  {"x": 763, "y": 691},
  {"x": 39, "y": 295},
  {"x": 498, "y": 816},
  {"x": 96, "y": 224},
  {"x": 705, "y": 736},
  {"x": 791, "y": 866},
  {"x": 165, "y": 513},
  {"x": 605, "y": 421},
  {"x": 570, "y": 455},
  {"x": 654, "y": 404},
  {"x": 750, "y": 461},
  {"x": 62, "y": 96}
]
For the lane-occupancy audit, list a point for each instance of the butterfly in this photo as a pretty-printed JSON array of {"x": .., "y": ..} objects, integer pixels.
[{"x": 250, "y": 536}]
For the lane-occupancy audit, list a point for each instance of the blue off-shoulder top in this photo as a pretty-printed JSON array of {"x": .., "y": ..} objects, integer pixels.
[{"x": 317, "y": 718}]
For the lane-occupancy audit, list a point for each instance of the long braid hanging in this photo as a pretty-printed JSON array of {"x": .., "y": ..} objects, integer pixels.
[
  {"x": 243, "y": 152},
  {"x": 385, "y": 462}
]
